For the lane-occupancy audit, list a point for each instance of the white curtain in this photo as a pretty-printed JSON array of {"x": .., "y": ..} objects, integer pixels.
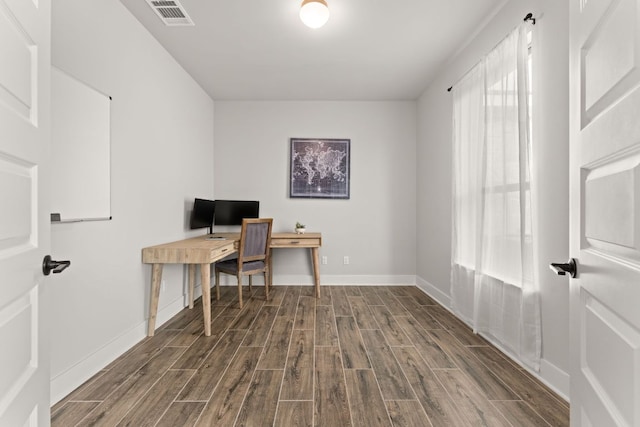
[{"x": 492, "y": 278}]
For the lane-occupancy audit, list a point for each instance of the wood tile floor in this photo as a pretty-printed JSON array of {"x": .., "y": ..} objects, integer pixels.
[{"x": 359, "y": 356}]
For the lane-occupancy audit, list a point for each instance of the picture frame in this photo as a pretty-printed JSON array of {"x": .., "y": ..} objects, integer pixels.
[{"x": 319, "y": 168}]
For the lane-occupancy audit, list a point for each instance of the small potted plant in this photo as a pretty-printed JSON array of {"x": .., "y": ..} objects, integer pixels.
[{"x": 300, "y": 228}]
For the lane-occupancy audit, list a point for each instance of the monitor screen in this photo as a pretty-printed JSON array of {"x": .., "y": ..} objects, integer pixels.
[
  {"x": 231, "y": 212},
  {"x": 202, "y": 213}
]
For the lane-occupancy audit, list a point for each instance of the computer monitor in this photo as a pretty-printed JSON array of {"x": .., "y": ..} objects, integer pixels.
[
  {"x": 202, "y": 214},
  {"x": 231, "y": 212}
]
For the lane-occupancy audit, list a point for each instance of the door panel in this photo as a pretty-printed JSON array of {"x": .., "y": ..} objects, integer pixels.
[
  {"x": 18, "y": 215},
  {"x": 20, "y": 364},
  {"x": 611, "y": 223},
  {"x": 605, "y": 212},
  {"x": 610, "y": 62},
  {"x": 24, "y": 224},
  {"x": 19, "y": 49},
  {"x": 611, "y": 345}
]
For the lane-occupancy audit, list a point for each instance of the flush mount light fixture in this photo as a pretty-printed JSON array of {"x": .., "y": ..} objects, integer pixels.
[{"x": 314, "y": 13}]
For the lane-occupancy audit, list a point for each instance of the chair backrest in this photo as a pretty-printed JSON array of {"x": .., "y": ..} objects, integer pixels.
[{"x": 255, "y": 240}]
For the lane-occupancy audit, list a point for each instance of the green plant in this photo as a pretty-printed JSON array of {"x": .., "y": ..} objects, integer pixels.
[{"x": 299, "y": 225}]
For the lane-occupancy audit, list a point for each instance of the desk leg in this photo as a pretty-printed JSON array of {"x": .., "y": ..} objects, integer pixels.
[
  {"x": 271, "y": 269},
  {"x": 192, "y": 283},
  {"x": 316, "y": 270},
  {"x": 205, "y": 274},
  {"x": 156, "y": 278}
]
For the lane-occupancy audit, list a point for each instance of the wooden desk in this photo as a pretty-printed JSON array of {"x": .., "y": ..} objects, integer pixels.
[{"x": 204, "y": 251}]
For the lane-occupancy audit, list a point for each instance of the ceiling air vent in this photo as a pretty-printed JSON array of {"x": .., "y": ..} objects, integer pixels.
[{"x": 170, "y": 12}]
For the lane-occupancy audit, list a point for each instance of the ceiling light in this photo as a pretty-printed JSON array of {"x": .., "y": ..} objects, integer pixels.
[{"x": 314, "y": 13}]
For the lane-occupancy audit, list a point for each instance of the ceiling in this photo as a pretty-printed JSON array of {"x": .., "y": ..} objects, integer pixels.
[{"x": 369, "y": 49}]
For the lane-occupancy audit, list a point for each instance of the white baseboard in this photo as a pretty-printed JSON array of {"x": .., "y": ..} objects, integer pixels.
[
  {"x": 327, "y": 280},
  {"x": 550, "y": 375},
  {"x": 555, "y": 378},
  {"x": 67, "y": 381},
  {"x": 365, "y": 280},
  {"x": 433, "y": 292}
]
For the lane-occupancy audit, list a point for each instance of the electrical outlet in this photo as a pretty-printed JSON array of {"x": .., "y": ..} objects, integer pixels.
[
  {"x": 345, "y": 260},
  {"x": 324, "y": 260},
  {"x": 162, "y": 286}
]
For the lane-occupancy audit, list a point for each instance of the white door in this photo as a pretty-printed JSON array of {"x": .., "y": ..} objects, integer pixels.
[
  {"x": 605, "y": 212},
  {"x": 24, "y": 227}
]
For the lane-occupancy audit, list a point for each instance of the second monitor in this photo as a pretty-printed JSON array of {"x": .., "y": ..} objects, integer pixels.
[{"x": 231, "y": 212}]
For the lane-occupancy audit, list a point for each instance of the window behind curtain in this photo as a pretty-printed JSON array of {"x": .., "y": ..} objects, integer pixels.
[
  {"x": 489, "y": 175},
  {"x": 468, "y": 123},
  {"x": 492, "y": 281}
]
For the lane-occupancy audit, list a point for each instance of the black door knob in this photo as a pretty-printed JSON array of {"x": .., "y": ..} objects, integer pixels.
[
  {"x": 51, "y": 266},
  {"x": 561, "y": 269}
]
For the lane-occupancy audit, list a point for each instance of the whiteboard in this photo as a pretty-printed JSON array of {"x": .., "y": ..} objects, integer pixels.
[{"x": 80, "y": 150}]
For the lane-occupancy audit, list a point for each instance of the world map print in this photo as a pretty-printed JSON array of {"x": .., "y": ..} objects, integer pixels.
[{"x": 320, "y": 168}]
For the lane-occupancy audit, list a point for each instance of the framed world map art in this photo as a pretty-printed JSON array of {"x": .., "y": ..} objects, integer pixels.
[{"x": 319, "y": 168}]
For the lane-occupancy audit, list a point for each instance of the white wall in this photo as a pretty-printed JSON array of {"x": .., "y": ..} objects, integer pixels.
[
  {"x": 375, "y": 227},
  {"x": 551, "y": 160},
  {"x": 162, "y": 156}
]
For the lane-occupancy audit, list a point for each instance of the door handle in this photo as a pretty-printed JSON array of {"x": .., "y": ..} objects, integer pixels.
[
  {"x": 561, "y": 269},
  {"x": 51, "y": 266}
]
